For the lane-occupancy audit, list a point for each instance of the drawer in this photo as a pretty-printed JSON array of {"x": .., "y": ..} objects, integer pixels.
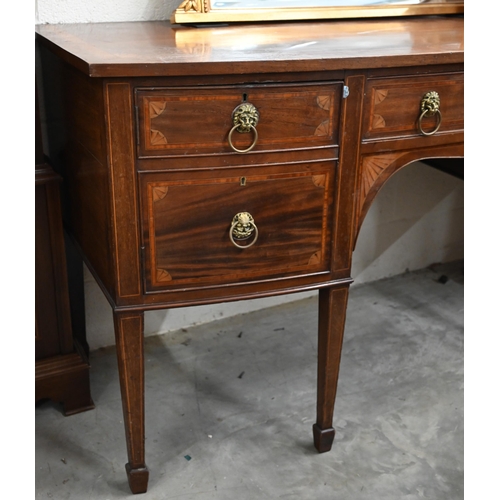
[
  {"x": 393, "y": 106},
  {"x": 199, "y": 120},
  {"x": 188, "y": 223}
]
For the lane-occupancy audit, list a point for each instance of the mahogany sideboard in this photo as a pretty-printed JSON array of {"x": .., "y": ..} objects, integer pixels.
[{"x": 220, "y": 163}]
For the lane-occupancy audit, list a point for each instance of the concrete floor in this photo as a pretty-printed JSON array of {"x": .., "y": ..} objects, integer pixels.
[{"x": 230, "y": 405}]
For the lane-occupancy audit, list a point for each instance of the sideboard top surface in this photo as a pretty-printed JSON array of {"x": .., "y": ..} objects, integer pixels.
[{"x": 158, "y": 48}]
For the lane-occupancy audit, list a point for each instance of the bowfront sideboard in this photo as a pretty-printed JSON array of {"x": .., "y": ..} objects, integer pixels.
[{"x": 213, "y": 164}]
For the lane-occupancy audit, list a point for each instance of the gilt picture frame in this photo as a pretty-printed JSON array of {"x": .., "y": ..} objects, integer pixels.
[{"x": 232, "y": 11}]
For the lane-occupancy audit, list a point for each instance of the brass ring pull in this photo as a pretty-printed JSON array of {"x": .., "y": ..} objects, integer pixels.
[
  {"x": 245, "y": 118},
  {"x": 242, "y": 227},
  {"x": 429, "y": 106},
  {"x": 234, "y": 148}
]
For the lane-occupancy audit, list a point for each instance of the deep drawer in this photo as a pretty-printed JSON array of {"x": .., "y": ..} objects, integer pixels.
[
  {"x": 191, "y": 121},
  {"x": 187, "y": 223},
  {"x": 393, "y": 106}
]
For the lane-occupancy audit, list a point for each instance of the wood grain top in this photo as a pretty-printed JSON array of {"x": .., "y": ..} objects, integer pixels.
[{"x": 158, "y": 48}]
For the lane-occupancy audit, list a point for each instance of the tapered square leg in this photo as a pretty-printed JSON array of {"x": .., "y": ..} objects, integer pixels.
[
  {"x": 332, "y": 313},
  {"x": 129, "y": 334}
]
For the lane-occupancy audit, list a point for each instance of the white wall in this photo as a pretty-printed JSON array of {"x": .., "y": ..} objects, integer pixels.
[
  {"x": 415, "y": 221},
  {"x": 99, "y": 11}
]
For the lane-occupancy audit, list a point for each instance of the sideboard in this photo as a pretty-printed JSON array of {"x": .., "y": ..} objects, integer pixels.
[{"x": 220, "y": 163}]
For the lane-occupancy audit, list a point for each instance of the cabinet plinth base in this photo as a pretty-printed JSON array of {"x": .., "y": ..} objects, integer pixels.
[{"x": 64, "y": 379}]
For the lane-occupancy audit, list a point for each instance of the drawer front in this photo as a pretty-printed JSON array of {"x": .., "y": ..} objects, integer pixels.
[
  {"x": 195, "y": 121},
  {"x": 187, "y": 224},
  {"x": 393, "y": 106}
]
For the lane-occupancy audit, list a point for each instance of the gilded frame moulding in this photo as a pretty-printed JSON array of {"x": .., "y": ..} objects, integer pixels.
[{"x": 204, "y": 11}]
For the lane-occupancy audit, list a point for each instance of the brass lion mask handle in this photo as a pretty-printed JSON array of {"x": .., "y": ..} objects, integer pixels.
[
  {"x": 245, "y": 118},
  {"x": 429, "y": 106},
  {"x": 242, "y": 228}
]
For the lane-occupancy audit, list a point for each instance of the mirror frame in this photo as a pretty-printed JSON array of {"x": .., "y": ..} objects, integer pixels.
[{"x": 200, "y": 12}]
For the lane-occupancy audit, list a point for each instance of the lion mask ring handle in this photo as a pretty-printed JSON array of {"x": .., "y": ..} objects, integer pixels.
[{"x": 245, "y": 118}]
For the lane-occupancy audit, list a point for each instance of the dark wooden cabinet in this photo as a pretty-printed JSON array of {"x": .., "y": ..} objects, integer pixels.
[
  {"x": 61, "y": 363},
  {"x": 198, "y": 170}
]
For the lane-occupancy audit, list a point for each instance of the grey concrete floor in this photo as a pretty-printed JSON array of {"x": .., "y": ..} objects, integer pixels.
[{"x": 230, "y": 406}]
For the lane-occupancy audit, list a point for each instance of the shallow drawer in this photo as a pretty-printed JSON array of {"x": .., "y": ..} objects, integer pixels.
[
  {"x": 191, "y": 237},
  {"x": 173, "y": 121},
  {"x": 393, "y": 106}
]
